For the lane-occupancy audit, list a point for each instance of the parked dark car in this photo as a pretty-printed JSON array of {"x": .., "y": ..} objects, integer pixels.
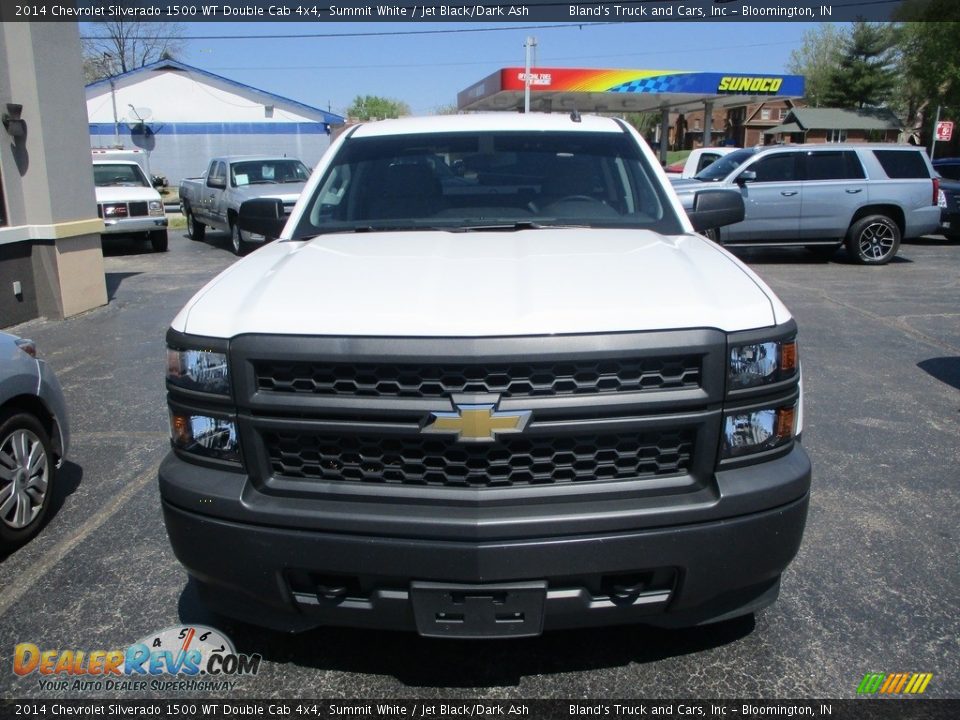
[
  {"x": 949, "y": 170},
  {"x": 34, "y": 439}
]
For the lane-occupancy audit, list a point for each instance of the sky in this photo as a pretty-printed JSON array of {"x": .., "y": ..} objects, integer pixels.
[{"x": 428, "y": 70}]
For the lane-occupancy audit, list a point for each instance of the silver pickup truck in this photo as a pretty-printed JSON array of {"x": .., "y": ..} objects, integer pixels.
[{"x": 214, "y": 198}]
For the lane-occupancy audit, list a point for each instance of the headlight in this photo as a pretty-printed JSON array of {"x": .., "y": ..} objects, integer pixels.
[
  {"x": 156, "y": 207},
  {"x": 208, "y": 437},
  {"x": 754, "y": 431},
  {"x": 761, "y": 363},
  {"x": 199, "y": 370}
]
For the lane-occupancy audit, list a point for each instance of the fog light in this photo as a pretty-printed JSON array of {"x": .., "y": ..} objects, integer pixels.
[
  {"x": 758, "y": 430},
  {"x": 205, "y": 436}
]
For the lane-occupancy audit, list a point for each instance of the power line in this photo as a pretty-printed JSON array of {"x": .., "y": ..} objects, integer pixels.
[
  {"x": 382, "y": 33},
  {"x": 495, "y": 62}
]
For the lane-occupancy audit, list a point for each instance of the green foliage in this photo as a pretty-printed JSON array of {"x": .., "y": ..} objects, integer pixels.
[
  {"x": 931, "y": 61},
  {"x": 641, "y": 121},
  {"x": 865, "y": 75},
  {"x": 373, "y": 107},
  {"x": 816, "y": 59}
]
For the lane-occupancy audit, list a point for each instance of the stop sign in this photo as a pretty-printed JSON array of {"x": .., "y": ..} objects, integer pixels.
[{"x": 944, "y": 130}]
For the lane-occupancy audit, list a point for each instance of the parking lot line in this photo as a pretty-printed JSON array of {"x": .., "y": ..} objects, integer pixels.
[{"x": 54, "y": 555}]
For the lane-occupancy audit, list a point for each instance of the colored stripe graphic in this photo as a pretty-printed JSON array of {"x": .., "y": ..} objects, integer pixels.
[{"x": 894, "y": 683}]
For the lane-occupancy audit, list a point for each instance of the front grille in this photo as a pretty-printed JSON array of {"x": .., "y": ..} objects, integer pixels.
[
  {"x": 138, "y": 209},
  {"x": 508, "y": 380},
  {"x": 510, "y": 462}
]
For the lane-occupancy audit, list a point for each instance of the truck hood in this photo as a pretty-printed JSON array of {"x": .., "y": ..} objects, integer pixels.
[
  {"x": 439, "y": 284},
  {"x": 120, "y": 193},
  {"x": 287, "y": 192}
]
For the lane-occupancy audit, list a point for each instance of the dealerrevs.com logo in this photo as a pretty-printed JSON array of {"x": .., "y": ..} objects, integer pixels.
[{"x": 192, "y": 657}]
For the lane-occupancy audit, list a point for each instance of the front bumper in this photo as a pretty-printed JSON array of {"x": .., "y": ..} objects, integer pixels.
[
  {"x": 121, "y": 226},
  {"x": 669, "y": 573}
]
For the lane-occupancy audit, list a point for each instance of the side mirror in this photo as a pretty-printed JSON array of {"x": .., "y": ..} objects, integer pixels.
[
  {"x": 715, "y": 208},
  {"x": 159, "y": 181},
  {"x": 263, "y": 216},
  {"x": 217, "y": 182},
  {"x": 746, "y": 176}
]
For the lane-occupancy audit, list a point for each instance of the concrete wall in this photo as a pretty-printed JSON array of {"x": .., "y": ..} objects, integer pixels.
[{"x": 51, "y": 213}]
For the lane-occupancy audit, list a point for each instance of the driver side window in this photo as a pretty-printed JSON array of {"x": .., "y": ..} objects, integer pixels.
[{"x": 776, "y": 168}]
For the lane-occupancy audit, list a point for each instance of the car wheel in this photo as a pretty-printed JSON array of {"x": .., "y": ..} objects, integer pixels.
[
  {"x": 873, "y": 240},
  {"x": 159, "y": 240},
  {"x": 240, "y": 246},
  {"x": 195, "y": 230},
  {"x": 712, "y": 234},
  {"x": 26, "y": 477}
]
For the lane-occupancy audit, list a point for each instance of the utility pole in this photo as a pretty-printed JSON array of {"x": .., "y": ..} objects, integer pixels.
[
  {"x": 530, "y": 47},
  {"x": 105, "y": 63},
  {"x": 933, "y": 135}
]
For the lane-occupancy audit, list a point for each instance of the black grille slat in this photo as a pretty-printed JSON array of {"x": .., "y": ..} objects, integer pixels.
[
  {"x": 137, "y": 209},
  {"x": 509, "y": 462},
  {"x": 543, "y": 379}
]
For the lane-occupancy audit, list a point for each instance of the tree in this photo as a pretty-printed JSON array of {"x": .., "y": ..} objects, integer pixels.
[
  {"x": 373, "y": 107},
  {"x": 865, "y": 75},
  {"x": 815, "y": 59},
  {"x": 448, "y": 109},
  {"x": 118, "y": 46},
  {"x": 929, "y": 51}
]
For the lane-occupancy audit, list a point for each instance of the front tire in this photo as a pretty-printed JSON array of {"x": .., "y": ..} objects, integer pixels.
[
  {"x": 873, "y": 240},
  {"x": 159, "y": 240},
  {"x": 240, "y": 246},
  {"x": 195, "y": 230},
  {"x": 26, "y": 477}
]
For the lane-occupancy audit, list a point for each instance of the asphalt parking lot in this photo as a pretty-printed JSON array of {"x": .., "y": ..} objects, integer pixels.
[{"x": 875, "y": 588}]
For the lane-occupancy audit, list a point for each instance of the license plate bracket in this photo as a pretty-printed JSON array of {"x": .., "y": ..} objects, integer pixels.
[{"x": 478, "y": 611}]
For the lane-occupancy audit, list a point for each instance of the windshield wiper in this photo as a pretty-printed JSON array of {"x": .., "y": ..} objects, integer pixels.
[{"x": 511, "y": 226}]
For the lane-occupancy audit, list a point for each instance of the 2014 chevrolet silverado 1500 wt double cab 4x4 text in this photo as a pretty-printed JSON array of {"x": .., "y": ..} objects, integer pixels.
[{"x": 489, "y": 382}]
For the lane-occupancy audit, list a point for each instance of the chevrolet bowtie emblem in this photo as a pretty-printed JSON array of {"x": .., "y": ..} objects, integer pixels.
[{"x": 477, "y": 423}]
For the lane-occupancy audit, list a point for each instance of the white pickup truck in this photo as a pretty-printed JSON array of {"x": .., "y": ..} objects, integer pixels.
[
  {"x": 489, "y": 382},
  {"x": 696, "y": 161},
  {"x": 126, "y": 200},
  {"x": 214, "y": 198}
]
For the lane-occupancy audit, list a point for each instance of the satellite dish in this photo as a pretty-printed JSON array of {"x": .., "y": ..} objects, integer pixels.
[{"x": 141, "y": 113}]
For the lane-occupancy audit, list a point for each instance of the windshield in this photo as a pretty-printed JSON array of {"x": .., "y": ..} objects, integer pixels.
[
  {"x": 488, "y": 180},
  {"x": 124, "y": 175},
  {"x": 269, "y": 172},
  {"x": 724, "y": 166}
]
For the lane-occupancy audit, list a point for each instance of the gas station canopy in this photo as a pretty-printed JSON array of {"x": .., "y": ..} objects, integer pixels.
[{"x": 598, "y": 90}]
